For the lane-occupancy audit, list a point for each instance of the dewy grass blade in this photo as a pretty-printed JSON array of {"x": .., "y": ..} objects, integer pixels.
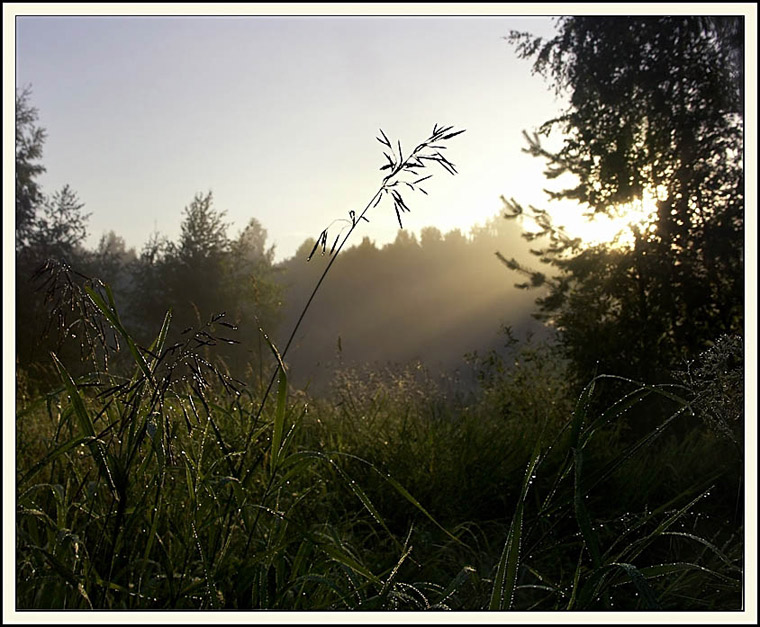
[
  {"x": 361, "y": 495},
  {"x": 53, "y": 455},
  {"x": 352, "y": 485},
  {"x": 113, "y": 318},
  {"x": 576, "y": 580},
  {"x": 330, "y": 545},
  {"x": 65, "y": 573},
  {"x": 279, "y": 414},
  {"x": 633, "y": 449},
  {"x": 578, "y": 441},
  {"x": 647, "y": 595},
  {"x": 661, "y": 570},
  {"x": 667, "y": 523},
  {"x": 632, "y": 548},
  {"x": 405, "y": 493},
  {"x": 394, "y": 572},
  {"x": 158, "y": 345},
  {"x": 85, "y": 423},
  {"x": 342, "y": 557},
  {"x": 618, "y": 409},
  {"x": 594, "y": 585},
  {"x": 454, "y": 586},
  {"x": 715, "y": 550},
  {"x": 502, "y": 593},
  {"x": 581, "y": 512},
  {"x": 155, "y": 515}
]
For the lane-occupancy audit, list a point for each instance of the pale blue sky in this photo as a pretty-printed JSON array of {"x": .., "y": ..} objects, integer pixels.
[{"x": 277, "y": 116}]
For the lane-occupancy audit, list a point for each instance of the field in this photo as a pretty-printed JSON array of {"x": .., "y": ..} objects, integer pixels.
[{"x": 172, "y": 485}]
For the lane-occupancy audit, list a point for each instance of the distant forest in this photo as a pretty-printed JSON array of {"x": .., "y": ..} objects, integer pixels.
[
  {"x": 431, "y": 301},
  {"x": 640, "y": 312}
]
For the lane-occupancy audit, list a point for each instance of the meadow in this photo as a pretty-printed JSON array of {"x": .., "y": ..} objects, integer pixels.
[
  {"x": 173, "y": 485},
  {"x": 151, "y": 476}
]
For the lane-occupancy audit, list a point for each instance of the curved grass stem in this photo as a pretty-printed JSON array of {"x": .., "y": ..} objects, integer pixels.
[{"x": 398, "y": 166}]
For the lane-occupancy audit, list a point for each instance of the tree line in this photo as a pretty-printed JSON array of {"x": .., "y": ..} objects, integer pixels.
[
  {"x": 430, "y": 299},
  {"x": 655, "y": 111}
]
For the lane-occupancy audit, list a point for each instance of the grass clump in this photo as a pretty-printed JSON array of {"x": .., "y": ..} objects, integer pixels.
[
  {"x": 139, "y": 500},
  {"x": 390, "y": 494}
]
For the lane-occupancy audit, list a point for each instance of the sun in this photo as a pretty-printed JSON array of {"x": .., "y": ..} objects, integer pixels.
[{"x": 599, "y": 229}]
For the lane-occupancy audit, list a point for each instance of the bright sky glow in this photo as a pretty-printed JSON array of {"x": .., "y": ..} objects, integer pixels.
[
  {"x": 601, "y": 229},
  {"x": 277, "y": 116}
]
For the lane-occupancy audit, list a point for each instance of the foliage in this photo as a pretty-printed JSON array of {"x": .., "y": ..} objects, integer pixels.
[
  {"x": 206, "y": 276},
  {"x": 49, "y": 230},
  {"x": 30, "y": 140},
  {"x": 655, "y": 115},
  {"x": 60, "y": 227},
  {"x": 716, "y": 379},
  {"x": 192, "y": 267},
  {"x": 45, "y": 226},
  {"x": 651, "y": 97}
]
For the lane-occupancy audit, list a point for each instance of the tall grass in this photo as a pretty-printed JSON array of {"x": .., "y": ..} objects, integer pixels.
[
  {"x": 173, "y": 485},
  {"x": 138, "y": 502}
]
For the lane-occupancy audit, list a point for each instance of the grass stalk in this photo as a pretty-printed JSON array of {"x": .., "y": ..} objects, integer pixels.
[{"x": 428, "y": 150}]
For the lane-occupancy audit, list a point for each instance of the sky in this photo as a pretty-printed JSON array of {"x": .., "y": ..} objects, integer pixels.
[{"x": 277, "y": 117}]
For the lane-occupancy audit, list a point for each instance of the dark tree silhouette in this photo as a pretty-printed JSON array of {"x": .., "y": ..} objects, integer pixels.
[
  {"x": 50, "y": 231},
  {"x": 655, "y": 112},
  {"x": 205, "y": 275},
  {"x": 60, "y": 226},
  {"x": 30, "y": 140}
]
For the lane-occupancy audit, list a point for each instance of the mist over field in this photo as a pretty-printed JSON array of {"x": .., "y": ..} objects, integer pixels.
[{"x": 428, "y": 302}]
